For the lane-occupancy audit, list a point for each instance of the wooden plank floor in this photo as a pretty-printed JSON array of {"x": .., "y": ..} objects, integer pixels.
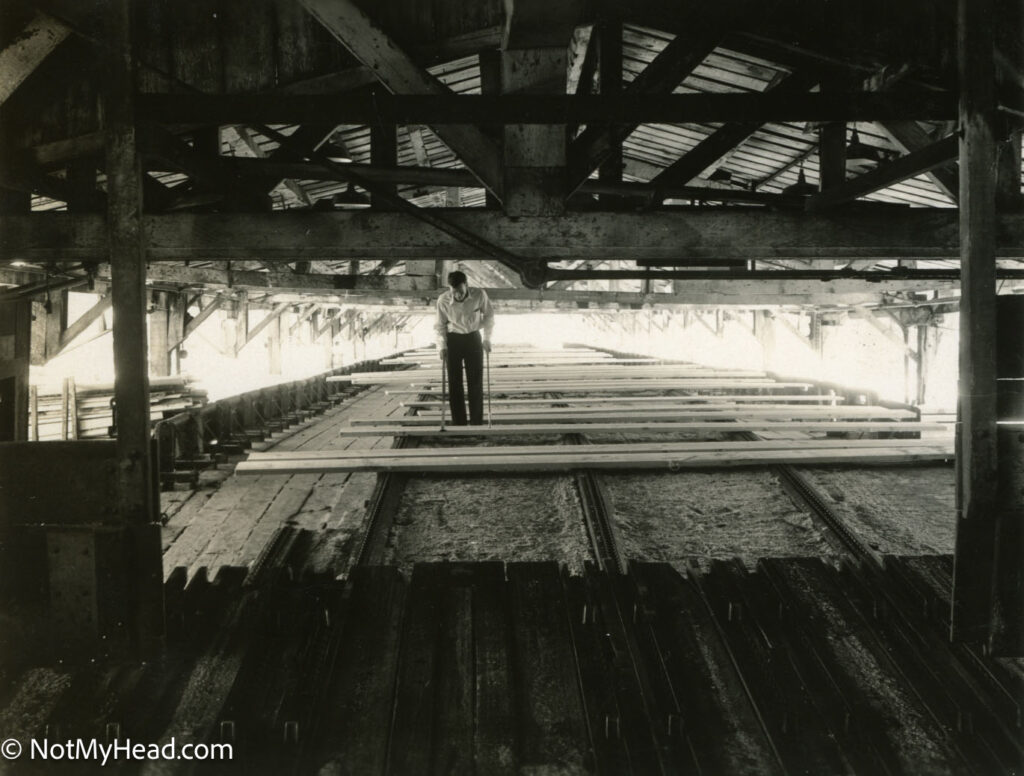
[{"x": 230, "y": 522}]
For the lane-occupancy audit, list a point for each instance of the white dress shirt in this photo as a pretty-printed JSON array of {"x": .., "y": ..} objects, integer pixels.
[{"x": 474, "y": 313}]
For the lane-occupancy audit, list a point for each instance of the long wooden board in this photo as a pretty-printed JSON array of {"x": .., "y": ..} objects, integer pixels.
[
  {"x": 674, "y": 415},
  {"x": 646, "y": 427},
  {"x": 526, "y": 374},
  {"x": 718, "y": 400},
  {"x": 625, "y": 448},
  {"x": 794, "y": 411},
  {"x": 617, "y": 386},
  {"x": 569, "y": 461}
]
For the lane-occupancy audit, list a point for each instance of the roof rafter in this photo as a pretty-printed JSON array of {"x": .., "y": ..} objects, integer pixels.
[{"x": 368, "y": 43}]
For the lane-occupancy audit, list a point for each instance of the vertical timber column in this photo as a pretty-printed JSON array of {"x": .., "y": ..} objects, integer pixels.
[
  {"x": 15, "y": 342},
  {"x": 135, "y": 494},
  {"x": 159, "y": 354},
  {"x": 976, "y": 428},
  {"x": 274, "y": 346},
  {"x": 609, "y": 42},
  {"x": 534, "y": 60},
  {"x": 384, "y": 153},
  {"x": 490, "y": 83},
  {"x": 1006, "y": 628},
  {"x": 15, "y": 354}
]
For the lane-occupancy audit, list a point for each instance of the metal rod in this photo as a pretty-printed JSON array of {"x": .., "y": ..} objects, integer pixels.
[
  {"x": 444, "y": 386},
  {"x": 487, "y": 357}
]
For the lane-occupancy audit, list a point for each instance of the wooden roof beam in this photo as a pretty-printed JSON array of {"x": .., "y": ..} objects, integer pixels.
[
  {"x": 668, "y": 69},
  {"x": 733, "y": 233},
  {"x": 726, "y": 138},
  {"x": 478, "y": 109},
  {"x": 369, "y": 44},
  {"x": 909, "y": 136},
  {"x": 909, "y": 166},
  {"x": 40, "y": 36}
]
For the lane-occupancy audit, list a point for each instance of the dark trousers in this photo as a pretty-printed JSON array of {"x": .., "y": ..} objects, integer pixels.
[{"x": 466, "y": 349}]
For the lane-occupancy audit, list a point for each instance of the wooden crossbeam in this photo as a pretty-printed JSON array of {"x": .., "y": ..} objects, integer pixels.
[
  {"x": 909, "y": 166},
  {"x": 868, "y": 316},
  {"x": 269, "y": 318},
  {"x": 722, "y": 140},
  {"x": 369, "y": 44},
  {"x": 730, "y": 234},
  {"x": 304, "y": 315},
  {"x": 668, "y": 69},
  {"x": 27, "y": 50},
  {"x": 909, "y": 137},
  {"x": 84, "y": 321},
  {"x": 567, "y": 461},
  {"x": 243, "y": 139},
  {"x": 211, "y": 307},
  {"x": 437, "y": 107}
]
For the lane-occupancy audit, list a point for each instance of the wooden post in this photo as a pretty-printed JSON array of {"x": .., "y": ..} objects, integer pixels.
[
  {"x": 15, "y": 354},
  {"x": 609, "y": 41},
  {"x": 1006, "y": 628},
  {"x": 274, "y": 346},
  {"x": 64, "y": 409},
  {"x": 923, "y": 364},
  {"x": 135, "y": 496},
  {"x": 176, "y": 304},
  {"x": 16, "y": 336},
  {"x": 490, "y": 83},
  {"x": 241, "y": 322},
  {"x": 832, "y": 155},
  {"x": 383, "y": 153},
  {"x": 159, "y": 355},
  {"x": 72, "y": 416},
  {"x": 977, "y": 460},
  {"x": 33, "y": 408},
  {"x": 56, "y": 321}
]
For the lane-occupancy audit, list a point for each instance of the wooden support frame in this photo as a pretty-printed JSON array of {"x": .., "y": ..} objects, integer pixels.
[
  {"x": 29, "y": 48},
  {"x": 673, "y": 64},
  {"x": 977, "y": 458},
  {"x": 909, "y": 166},
  {"x": 207, "y": 310},
  {"x": 369, "y": 44},
  {"x": 83, "y": 322},
  {"x": 414, "y": 106},
  {"x": 272, "y": 316},
  {"x": 135, "y": 494},
  {"x": 731, "y": 234},
  {"x": 896, "y": 339},
  {"x": 726, "y": 138},
  {"x": 909, "y": 136}
]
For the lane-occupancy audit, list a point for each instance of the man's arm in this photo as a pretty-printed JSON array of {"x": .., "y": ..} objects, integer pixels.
[
  {"x": 488, "y": 313},
  {"x": 441, "y": 327}
]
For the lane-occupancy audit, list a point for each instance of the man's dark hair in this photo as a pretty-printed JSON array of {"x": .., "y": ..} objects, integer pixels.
[{"x": 456, "y": 278}]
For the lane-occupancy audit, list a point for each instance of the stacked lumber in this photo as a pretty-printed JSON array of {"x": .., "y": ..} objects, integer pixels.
[
  {"x": 668, "y": 416},
  {"x": 84, "y": 411},
  {"x": 649, "y": 427},
  {"x": 562, "y": 458}
]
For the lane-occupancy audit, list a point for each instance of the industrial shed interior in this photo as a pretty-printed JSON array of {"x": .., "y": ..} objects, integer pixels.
[{"x": 749, "y": 492}]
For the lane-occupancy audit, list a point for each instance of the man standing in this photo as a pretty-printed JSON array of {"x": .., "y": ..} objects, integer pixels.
[{"x": 465, "y": 321}]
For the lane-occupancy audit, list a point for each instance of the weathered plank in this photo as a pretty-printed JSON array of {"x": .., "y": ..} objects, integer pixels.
[{"x": 568, "y": 461}]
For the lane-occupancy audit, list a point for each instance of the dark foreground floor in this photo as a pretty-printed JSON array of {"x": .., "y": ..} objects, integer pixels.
[{"x": 488, "y": 668}]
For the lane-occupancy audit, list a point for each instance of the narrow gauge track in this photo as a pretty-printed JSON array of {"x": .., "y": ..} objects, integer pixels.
[
  {"x": 814, "y": 716},
  {"x": 972, "y": 698}
]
